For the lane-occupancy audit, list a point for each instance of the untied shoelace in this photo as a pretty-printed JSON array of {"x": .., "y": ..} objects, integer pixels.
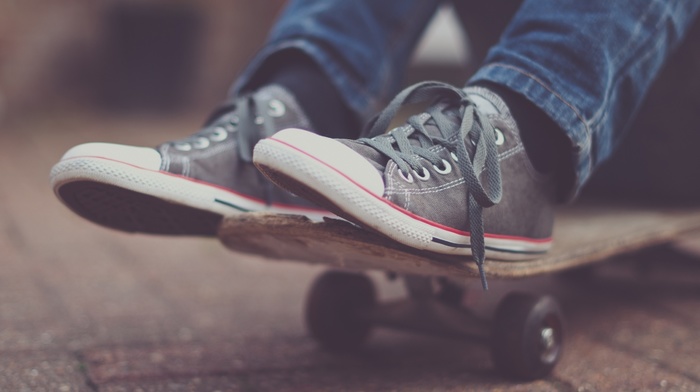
[{"x": 472, "y": 140}]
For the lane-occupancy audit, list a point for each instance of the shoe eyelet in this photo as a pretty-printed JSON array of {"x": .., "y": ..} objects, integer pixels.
[
  {"x": 424, "y": 176},
  {"x": 234, "y": 121},
  {"x": 219, "y": 134},
  {"x": 259, "y": 120},
  {"x": 201, "y": 143},
  {"x": 276, "y": 108},
  {"x": 406, "y": 177},
  {"x": 454, "y": 157},
  {"x": 446, "y": 167},
  {"x": 183, "y": 146},
  {"x": 500, "y": 138}
]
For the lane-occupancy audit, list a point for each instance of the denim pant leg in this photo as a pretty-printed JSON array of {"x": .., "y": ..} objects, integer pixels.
[
  {"x": 363, "y": 46},
  {"x": 587, "y": 64}
]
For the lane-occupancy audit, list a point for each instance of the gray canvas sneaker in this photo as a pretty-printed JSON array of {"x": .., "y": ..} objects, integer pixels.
[
  {"x": 455, "y": 179},
  {"x": 185, "y": 186}
]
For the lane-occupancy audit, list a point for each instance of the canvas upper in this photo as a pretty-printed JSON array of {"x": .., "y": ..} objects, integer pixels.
[
  {"x": 455, "y": 179},
  {"x": 184, "y": 186}
]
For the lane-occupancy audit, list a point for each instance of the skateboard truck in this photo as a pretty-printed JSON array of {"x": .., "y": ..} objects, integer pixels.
[{"x": 525, "y": 335}]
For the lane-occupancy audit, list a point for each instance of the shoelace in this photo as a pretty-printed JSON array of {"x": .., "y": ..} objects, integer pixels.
[
  {"x": 244, "y": 117},
  {"x": 478, "y": 161},
  {"x": 249, "y": 118}
]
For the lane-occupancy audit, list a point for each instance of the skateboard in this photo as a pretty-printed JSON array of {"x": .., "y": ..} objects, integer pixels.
[{"x": 526, "y": 332}]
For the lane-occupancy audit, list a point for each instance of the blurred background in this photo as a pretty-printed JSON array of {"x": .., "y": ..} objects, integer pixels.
[
  {"x": 147, "y": 57},
  {"x": 176, "y": 60},
  {"x": 87, "y": 308},
  {"x": 152, "y": 56}
]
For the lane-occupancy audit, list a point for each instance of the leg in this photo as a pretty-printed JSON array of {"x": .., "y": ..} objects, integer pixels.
[
  {"x": 185, "y": 186},
  {"x": 659, "y": 148},
  {"x": 582, "y": 67},
  {"x": 363, "y": 46},
  {"x": 587, "y": 65}
]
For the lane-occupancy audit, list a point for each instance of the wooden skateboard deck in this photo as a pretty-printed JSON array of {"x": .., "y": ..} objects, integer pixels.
[{"x": 583, "y": 234}]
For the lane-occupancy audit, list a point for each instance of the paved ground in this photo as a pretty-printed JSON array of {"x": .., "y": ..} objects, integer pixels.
[{"x": 83, "y": 308}]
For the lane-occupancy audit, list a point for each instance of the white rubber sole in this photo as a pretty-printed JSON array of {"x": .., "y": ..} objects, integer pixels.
[
  {"x": 299, "y": 171},
  {"x": 132, "y": 198}
]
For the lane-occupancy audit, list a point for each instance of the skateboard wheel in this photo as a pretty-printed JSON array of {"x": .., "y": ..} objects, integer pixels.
[
  {"x": 527, "y": 336},
  {"x": 334, "y": 309}
]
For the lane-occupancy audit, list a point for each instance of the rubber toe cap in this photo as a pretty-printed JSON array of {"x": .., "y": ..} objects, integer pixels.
[
  {"x": 334, "y": 155},
  {"x": 144, "y": 157}
]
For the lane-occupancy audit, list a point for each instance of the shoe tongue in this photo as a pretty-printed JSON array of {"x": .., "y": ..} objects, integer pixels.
[
  {"x": 431, "y": 128},
  {"x": 379, "y": 160},
  {"x": 484, "y": 105},
  {"x": 485, "y": 101}
]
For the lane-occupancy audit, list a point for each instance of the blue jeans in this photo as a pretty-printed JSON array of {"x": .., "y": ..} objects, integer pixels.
[{"x": 586, "y": 64}]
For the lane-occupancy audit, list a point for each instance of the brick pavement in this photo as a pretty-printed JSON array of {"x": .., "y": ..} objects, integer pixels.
[{"x": 83, "y": 308}]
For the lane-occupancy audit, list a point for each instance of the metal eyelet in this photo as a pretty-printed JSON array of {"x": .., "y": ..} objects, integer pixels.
[
  {"x": 234, "y": 121},
  {"x": 259, "y": 120},
  {"x": 219, "y": 134},
  {"x": 276, "y": 108},
  {"x": 500, "y": 138},
  {"x": 183, "y": 147},
  {"x": 201, "y": 143},
  {"x": 424, "y": 176},
  {"x": 446, "y": 167},
  {"x": 406, "y": 177},
  {"x": 454, "y": 157}
]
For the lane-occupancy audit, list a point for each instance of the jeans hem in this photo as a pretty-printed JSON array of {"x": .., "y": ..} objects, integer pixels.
[
  {"x": 554, "y": 105},
  {"x": 358, "y": 100}
]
